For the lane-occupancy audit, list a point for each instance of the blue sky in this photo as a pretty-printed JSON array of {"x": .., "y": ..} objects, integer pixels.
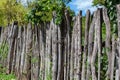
[{"x": 83, "y": 5}]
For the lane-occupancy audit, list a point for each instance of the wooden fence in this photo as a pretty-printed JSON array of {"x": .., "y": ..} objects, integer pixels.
[{"x": 52, "y": 52}]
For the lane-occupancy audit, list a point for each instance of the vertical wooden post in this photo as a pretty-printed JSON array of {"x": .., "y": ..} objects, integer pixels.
[
  {"x": 13, "y": 35},
  {"x": 95, "y": 49},
  {"x": 41, "y": 52},
  {"x": 90, "y": 45},
  {"x": 18, "y": 52},
  {"x": 72, "y": 61},
  {"x": 29, "y": 51},
  {"x": 35, "y": 62},
  {"x": 48, "y": 52},
  {"x": 23, "y": 54},
  {"x": 118, "y": 22},
  {"x": 108, "y": 39},
  {"x": 0, "y": 33},
  {"x": 67, "y": 45},
  {"x": 118, "y": 19},
  {"x": 87, "y": 25},
  {"x": 117, "y": 61},
  {"x": 14, "y": 57},
  {"x": 59, "y": 54},
  {"x": 114, "y": 47},
  {"x": 99, "y": 36},
  {"x": 42, "y": 42},
  {"x": 79, "y": 45},
  {"x": 54, "y": 52}
]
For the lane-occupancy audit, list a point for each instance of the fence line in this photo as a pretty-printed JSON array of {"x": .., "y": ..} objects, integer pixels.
[{"x": 60, "y": 52}]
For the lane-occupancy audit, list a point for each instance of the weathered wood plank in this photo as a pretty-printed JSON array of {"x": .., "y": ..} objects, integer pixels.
[
  {"x": 118, "y": 23},
  {"x": 72, "y": 61},
  {"x": 54, "y": 52},
  {"x": 114, "y": 48},
  {"x": 90, "y": 45},
  {"x": 29, "y": 51},
  {"x": 108, "y": 39},
  {"x": 99, "y": 37},
  {"x": 23, "y": 54},
  {"x": 79, "y": 45},
  {"x": 95, "y": 49},
  {"x": 13, "y": 36},
  {"x": 87, "y": 25},
  {"x": 35, "y": 62}
]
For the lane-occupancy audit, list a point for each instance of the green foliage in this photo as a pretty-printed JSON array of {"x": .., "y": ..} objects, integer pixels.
[
  {"x": 49, "y": 75},
  {"x": 3, "y": 50},
  {"x": 36, "y": 11},
  {"x": 111, "y": 7},
  {"x": 65, "y": 1},
  {"x": 104, "y": 66},
  {"x": 2, "y": 69},
  {"x": 34, "y": 60},
  {"x": 98, "y": 2},
  {"x": 42, "y": 11},
  {"x": 10, "y": 10},
  {"x": 7, "y": 77},
  {"x": 4, "y": 76},
  {"x": 83, "y": 29},
  {"x": 103, "y": 32}
]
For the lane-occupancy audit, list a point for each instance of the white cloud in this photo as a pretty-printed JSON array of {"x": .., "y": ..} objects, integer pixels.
[
  {"x": 23, "y": 1},
  {"x": 83, "y": 5}
]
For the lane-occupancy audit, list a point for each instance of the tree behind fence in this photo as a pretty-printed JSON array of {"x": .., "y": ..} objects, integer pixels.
[{"x": 60, "y": 52}]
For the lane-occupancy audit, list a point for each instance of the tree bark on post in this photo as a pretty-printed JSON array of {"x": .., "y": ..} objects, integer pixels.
[
  {"x": 79, "y": 45},
  {"x": 59, "y": 54},
  {"x": 29, "y": 51},
  {"x": 19, "y": 51},
  {"x": 67, "y": 46},
  {"x": 47, "y": 63},
  {"x": 0, "y": 34},
  {"x": 72, "y": 52},
  {"x": 41, "y": 52},
  {"x": 35, "y": 62},
  {"x": 90, "y": 45},
  {"x": 14, "y": 57},
  {"x": 75, "y": 53},
  {"x": 99, "y": 36},
  {"x": 108, "y": 39},
  {"x": 12, "y": 36},
  {"x": 23, "y": 55},
  {"x": 54, "y": 52},
  {"x": 95, "y": 49},
  {"x": 43, "y": 42},
  {"x": 117, "y": 61},
  {"x": 114, "y": 47},
  {"x": 48, "y": 56},
  {"x": 85, "y": 45},
  {"x": 118, "y": 22}
]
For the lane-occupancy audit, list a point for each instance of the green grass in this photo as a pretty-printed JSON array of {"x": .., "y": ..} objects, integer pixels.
[
  {"x": 4, "y": 76},
  {"x": 4, "y": 48}
]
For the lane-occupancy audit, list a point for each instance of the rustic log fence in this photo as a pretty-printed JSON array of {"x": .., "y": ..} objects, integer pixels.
[{"x": 52, "y": 52}]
